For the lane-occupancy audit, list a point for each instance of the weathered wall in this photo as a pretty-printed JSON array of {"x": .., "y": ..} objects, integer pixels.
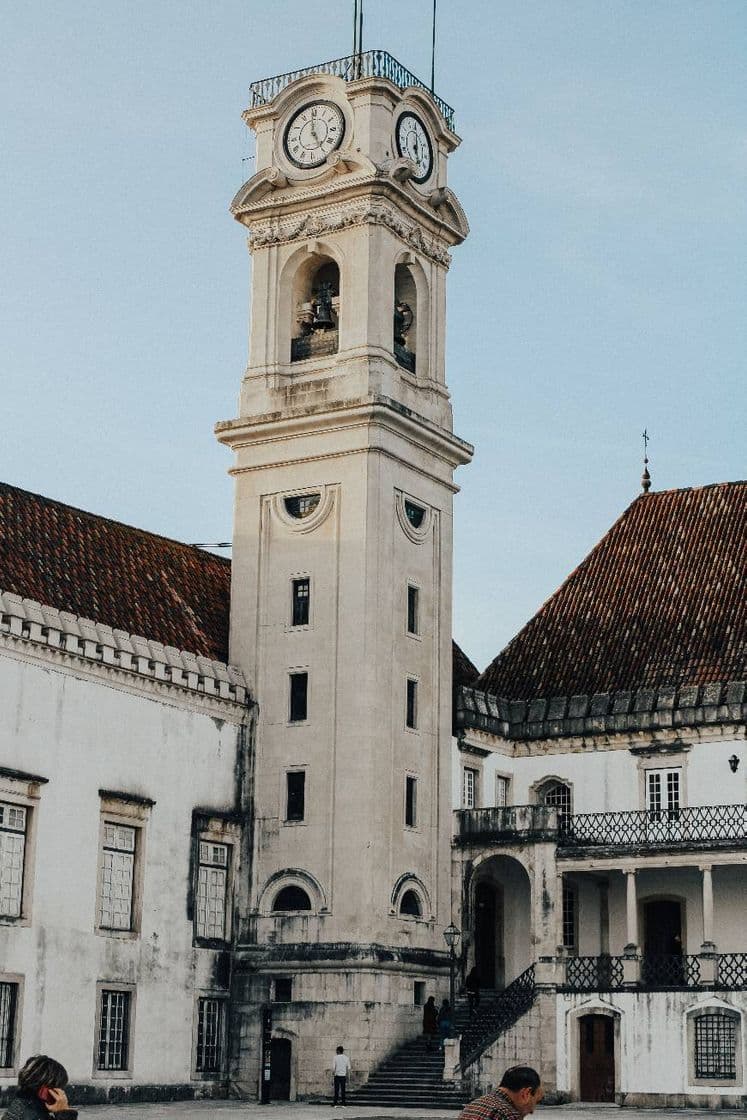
[
  {"x": 85, "y": 731},
  {"x": 530, "y": 1042}
]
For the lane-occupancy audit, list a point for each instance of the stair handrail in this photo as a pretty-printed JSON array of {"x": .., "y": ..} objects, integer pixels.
[{"x": 497, "y": 1016}]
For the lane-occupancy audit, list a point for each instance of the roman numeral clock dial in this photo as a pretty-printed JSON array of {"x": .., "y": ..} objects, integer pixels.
[
  {"x": 313, "y": 133},
  {"x": 414, "y": 143}
]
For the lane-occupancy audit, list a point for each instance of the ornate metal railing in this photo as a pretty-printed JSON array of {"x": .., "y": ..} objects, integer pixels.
[
  {"x": 665, "y": 827},
  {"x": 369, "y": 64},
  {"x": 497, "y": 1016},
  {"x": 670, "y": 971},
  {"x": 594, "y": 974},
  {"x": 732, "y": 970}
]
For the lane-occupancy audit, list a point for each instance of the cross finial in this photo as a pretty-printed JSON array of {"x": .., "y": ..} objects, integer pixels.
[{"x": 645, "y": 477}]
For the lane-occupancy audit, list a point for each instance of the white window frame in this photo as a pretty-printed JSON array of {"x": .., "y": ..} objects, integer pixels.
[
  {"x": 17, "y": 981},
  {"x": 502, "y": 781},
  {"x": 221, "y": 999},
  {"x": 470, "y": 787},
  {"x": 663, "y": 786},
  {"x": 126, "y": 811},
  {"x": 23, "y": 791},
  {"x": 103, "y": 986},
  {"x": 13, "y": 843},
  {"x": 213, "y": 877},
  {"x": 221, "y": 832}
]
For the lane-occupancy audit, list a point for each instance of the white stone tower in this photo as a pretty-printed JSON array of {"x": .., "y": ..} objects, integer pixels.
[{"x": 342, "y": 564}]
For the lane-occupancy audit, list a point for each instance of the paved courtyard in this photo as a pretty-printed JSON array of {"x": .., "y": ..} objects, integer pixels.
[{"x": 250, "y": 1110}]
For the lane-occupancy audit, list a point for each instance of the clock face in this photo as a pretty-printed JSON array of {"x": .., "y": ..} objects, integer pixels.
[
  {"x": 414, "y": 143},
  {"x": 313, "y": 132}
]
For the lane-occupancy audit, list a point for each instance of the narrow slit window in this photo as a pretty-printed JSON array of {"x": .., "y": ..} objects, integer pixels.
[
  {"x": 411, "y": 801},
  {"x": 8, "y": 1006},
  {"x": 114, "y": 1030},
  {"x": 299, "y": 696},
  {"x": 301, "y": 601},
  {"x": 295, "y": 802},
  {"x": 413, "y": 610},
  {"x": 411, "y": 715}
]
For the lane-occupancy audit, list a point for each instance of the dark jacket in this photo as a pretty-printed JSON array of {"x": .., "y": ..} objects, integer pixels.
[{"x": 27, "y": 1106}]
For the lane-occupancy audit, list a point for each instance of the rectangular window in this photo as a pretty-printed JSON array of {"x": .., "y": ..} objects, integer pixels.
[
  {"x": 569, "y": 917},
  {"x": 469, "y": 788},
  {"x": 301, "y": 601},
  {"x": 12, "y": 856},
  {"x": 716, "y": 1047},
  {"x": 8, "y": 1007},
  {"x": 663, "y": 794},
  {"x": 295, "y": 806},
  {"x": 299, "y": 693},
  {"x": 411, "y": 801},
  {"x": 212, "y": 884},
  {"x": 411, "y": 716},
  {"x": 114, "y": 1030},
  {"x": 418, "y": 992},
  {"x": 117, "y": 876},
  {"x": 501, "y": 790},
  {"x": 282, "y": 989},
  {"x": 210, "y": 1035},
  {"x": 413, "y": 607}
]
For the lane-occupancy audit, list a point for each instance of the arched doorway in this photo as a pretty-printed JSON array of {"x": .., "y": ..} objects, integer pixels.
[
  {"x": 596, "y": 1057},
  {"x": 489, "y": 958},
  {"x": 500, "y": 929},
  {"x": 280, "y": 1069}
]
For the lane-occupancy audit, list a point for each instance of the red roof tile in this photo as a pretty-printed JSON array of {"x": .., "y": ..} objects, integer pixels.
[
  {"x": 124, "y": 577},
  {"x": 660, "y": 601},
  {"x": 463, "y": 671}
]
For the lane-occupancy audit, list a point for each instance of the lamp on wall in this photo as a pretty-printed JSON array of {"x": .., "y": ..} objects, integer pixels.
[{"x": 734, "y": 763}]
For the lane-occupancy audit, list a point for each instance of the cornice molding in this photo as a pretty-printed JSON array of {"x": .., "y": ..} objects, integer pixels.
[{"x": 36, "y": 631}]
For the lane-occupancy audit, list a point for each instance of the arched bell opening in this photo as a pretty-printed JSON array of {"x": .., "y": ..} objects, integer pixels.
[
  {"x": 316, "y": 303},
  {"x": 405, "y": 324}
]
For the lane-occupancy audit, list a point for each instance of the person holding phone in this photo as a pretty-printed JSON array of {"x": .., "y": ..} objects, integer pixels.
[{"x": 41, "y": 1090}]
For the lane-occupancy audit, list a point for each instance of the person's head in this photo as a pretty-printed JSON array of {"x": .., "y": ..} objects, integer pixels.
[
  {"x": 521, "y": 1084},
  {"x": 41, "y": 1070},
  {"x": 340, "y": 1049},
  {"x": 431, "y": 999}
]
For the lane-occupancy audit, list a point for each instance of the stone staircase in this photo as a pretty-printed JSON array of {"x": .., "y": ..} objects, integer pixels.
[{"x": 411, "y": 1078}]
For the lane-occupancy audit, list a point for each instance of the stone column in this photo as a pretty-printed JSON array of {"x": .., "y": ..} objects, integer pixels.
[
  {"x": 708, "y": 945},
  {"x": 631, "y": 912}
]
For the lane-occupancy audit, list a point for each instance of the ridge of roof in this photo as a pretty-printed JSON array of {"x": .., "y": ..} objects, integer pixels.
[
  {"x": 9, "y": 486},
  {"x": 673, "y": 558}
]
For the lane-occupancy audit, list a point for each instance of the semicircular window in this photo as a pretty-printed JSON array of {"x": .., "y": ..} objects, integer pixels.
[
  {"x": 410, "y": 905},
  {"x": 291, "y": 898},
  {"x": 415, "y": 514},
  {"x": 302, "y": 505}
]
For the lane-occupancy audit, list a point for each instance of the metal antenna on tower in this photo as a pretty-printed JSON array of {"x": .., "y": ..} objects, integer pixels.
[
  {"x": 433, "y": 50},
  {"x": 645, "y": 477}
]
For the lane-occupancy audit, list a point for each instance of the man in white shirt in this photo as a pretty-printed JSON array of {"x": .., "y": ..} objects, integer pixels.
[{"x": 341, "y": 1069}]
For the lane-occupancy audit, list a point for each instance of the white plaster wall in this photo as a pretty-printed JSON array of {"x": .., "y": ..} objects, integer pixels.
[
  {"x": 653, "y": 1051},
  {"x": 85, "y": 735}
]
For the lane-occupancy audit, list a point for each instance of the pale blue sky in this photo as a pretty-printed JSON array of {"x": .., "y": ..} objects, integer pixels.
[{"x": 602, "y": 288}]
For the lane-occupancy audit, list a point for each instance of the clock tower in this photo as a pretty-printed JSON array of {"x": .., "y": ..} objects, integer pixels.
[{"x": 342, "y": 567}]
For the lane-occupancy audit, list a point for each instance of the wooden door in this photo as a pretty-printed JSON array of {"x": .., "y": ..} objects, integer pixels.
[
  {"x": 597, "y": 1058},
  {"x": 280, "y": 1069}
]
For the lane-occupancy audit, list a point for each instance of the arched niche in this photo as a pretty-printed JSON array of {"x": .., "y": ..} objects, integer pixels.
[
  {"x": 410, "y": 316},
  {"x": 314, "y": 307}
]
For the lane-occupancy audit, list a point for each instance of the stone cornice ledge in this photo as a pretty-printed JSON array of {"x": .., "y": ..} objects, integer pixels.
[
  {"x": 610, "y": 713},
  {"x": 38, "y": 625}
]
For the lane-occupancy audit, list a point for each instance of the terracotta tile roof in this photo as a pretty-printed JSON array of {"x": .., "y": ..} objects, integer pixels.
[
  {"x": 124, "y": 577},
  {"x": 463, "y": 671},
  {"x": 112, "y": 573},
  {"x": 660, "y": 601}
]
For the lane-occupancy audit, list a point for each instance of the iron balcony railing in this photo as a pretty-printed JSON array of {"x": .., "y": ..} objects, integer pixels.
[
  {"x": 658, "y": 972},
  {"x": 368, "y": 64},
  {"x": 494, "y": 1018},
  {"x": 687, "y": 825}
]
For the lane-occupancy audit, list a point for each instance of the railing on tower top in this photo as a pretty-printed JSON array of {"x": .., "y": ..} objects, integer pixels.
[
  {"x": 494, "y": 1018},
  {"x": 369, "y": 64}
]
